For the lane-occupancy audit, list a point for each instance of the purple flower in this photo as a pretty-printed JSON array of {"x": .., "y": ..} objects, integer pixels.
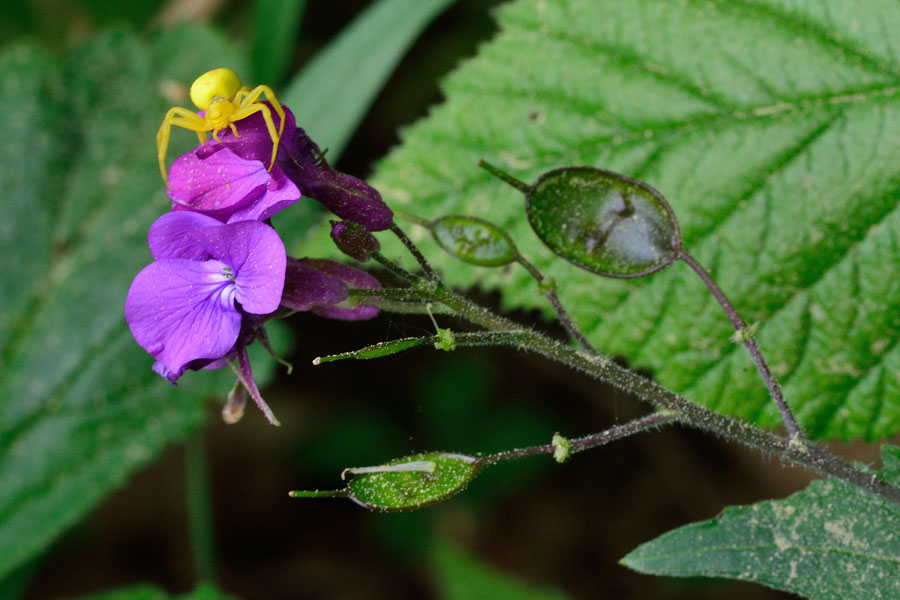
[
  {"x": 189, "y": 306},
  {"x": 321, "y": 287},
  {"x": 228, "y": 179}
]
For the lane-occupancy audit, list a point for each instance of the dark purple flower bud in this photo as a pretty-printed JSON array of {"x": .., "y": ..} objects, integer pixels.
[
  {"x": 354, "y": 240},
  {"x": 306, "y": 288},
  {"x": 321, "y": 286},
  {"x": 351, "y": 277},
  {"x": 187, "y": 307},
  {"x": 350, "y": 198}
]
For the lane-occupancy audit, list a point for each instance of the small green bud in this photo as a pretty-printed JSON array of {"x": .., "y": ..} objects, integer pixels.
[
  {"x": 745, "y": 334},
  {"x": 445, "y": 340},
  {"x": 561, "y": 448}
]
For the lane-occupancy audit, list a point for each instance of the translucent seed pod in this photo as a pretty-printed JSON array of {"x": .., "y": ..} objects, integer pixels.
[
  {"x": 474, "y": 240},
  {"x": 601, "y": 221}
]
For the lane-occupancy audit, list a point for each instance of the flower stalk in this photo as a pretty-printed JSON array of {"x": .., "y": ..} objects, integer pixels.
[{"x": 791, "y": 449}]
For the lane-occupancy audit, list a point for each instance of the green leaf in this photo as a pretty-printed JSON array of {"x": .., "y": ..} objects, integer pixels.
[
  {"x": 390, "y": 491},
  {"x": 771, "y": 127},
  {"x": 462, "y": 577},
  {"x": 829, "y": 541},
  {"x": 333, "y": 92},
  {"x": 276, "y": 24},
  {"x": 81, "y": 408}
]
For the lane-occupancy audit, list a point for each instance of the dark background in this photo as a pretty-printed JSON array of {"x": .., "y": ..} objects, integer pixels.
[{"x": 564, "y": 526}]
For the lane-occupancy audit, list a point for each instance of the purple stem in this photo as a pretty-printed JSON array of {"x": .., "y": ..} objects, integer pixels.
[{"x": 750, "y": 344}]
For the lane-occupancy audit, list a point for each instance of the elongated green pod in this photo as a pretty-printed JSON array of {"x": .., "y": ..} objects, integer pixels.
[{"x": 393, "y": 490}]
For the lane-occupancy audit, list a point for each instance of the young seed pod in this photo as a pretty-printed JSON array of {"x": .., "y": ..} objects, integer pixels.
[
  {"x": 474, "y": 240},
  {"x": 394, "y": 490},
  {"x": 601, "y": 221}
]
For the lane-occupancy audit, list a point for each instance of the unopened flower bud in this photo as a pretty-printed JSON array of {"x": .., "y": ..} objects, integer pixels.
[{"x": 354, "y": 240}]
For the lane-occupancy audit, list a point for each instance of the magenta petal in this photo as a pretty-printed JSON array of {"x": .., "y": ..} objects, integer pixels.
[
  {"x": 256, "y": 256},
  {"x": 305, "y": 288},
  {"x": 280, "y": 193},
  {"x": 182, "y": 310},
  {"x": 170, "y": 237},
  {"x": 217, "y": 184}
]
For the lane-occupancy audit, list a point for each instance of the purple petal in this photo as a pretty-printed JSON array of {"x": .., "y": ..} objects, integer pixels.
[
  {"x": 306, "y": 288},
  {"x": 218, "y": 184},
  {"x": 280, "y": 193},
  {"x": 182, "y": 310},
  {"x": 353, "y": 278},
  {"x": 256, "y": 256},
  {"x": 170, "y": 237}
]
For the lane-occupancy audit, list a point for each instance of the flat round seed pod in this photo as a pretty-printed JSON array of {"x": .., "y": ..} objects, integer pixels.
[{"x": 604, "y": 222}]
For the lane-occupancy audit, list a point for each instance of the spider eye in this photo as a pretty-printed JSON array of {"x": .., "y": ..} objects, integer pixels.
[{"x": 223, "y": 83}]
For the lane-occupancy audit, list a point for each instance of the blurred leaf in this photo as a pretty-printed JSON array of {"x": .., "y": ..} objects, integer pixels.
[
  {"x": 81, "y": 408},
  {"x": 389, "y": 491},
  {"x": 462, "y": 577},
  {"x": 15, "y": 584},
  {"x": 275, "y": 27},
  {"x": 333, "y": 92},
  {"x": 830, "y": 541},
  {"x": 146, "y": 592},
  {"x": 771, "y": 127}
]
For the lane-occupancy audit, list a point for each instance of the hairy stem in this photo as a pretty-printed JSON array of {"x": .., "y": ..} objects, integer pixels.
[
  {"x": 587, "y": 442},
  {"x": 561, "y": 313},
  {"x": 414, "y": 250},
  {"x": 750, "y": 344}
]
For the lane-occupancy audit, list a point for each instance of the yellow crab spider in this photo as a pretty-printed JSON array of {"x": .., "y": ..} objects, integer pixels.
[{"x": 220, "y": 93}]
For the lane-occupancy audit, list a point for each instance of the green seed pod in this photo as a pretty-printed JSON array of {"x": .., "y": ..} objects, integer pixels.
[
  {"x": 394, "y": 490},
  {"x": 603, "y": 222},
  {"x": 474, "y": 240}
]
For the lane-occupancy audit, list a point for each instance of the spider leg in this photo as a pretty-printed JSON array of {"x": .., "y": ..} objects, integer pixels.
[
  {"x": 243, "y": 113},
  {"x": 240, "y": 94},
  {"x": 251, "y": 100},
  {"x": 254, "y": 94},
  {"x": 180, "y": 117}
]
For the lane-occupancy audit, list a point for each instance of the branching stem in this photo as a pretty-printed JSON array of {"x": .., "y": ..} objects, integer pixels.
[{"x": 793, "y": 449}]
